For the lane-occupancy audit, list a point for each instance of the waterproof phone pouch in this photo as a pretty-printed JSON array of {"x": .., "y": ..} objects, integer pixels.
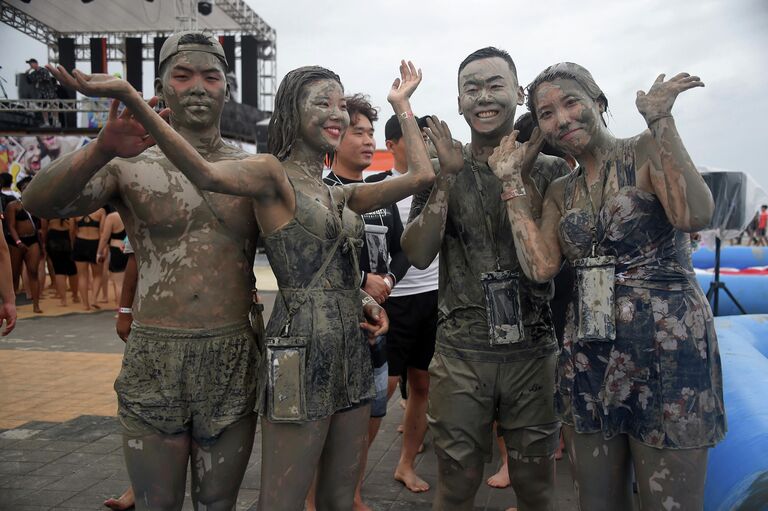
[
  {"x": 595, "y": 278},
  {"x": 502, "y": 305},
  {"x": 287, "y": 359},
  {"x": 378, "y": 252}
]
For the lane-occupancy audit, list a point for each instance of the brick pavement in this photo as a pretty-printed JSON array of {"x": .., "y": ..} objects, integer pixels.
[{"x": 60, "y": 446}]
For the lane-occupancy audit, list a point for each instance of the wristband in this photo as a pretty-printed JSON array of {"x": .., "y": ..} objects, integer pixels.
[
  {"x": 18, "y": 242},
  {"x": 387, "y": 282},
  {"x": 512, "y": 193},
  {"x": 658, "y": 118},
  {"x": 125, "y": 310},
  {"x": 406, "y": 115},
  {"x": 367, "y": 300}
]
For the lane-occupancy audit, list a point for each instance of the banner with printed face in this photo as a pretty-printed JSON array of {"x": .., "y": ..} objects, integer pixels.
[{"x": 25, "y": 156}]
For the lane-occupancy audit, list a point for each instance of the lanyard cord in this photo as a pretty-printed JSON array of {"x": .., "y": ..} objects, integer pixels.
[
  {"x": 480, "y": 191},
  {"x": 594, "y": 211}
]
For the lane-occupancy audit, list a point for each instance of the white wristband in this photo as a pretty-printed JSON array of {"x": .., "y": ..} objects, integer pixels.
[{"x": 125, "y": 310}]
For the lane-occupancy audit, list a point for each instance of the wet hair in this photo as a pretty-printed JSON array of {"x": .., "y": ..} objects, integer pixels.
[
  {"x": 359, "y": 104},
  {"x": 6, "y": 180},
  {"x": 285, "y": 122},
  {"x": 192, "y": 38},
  {"x": 489, "y": 52},
  {"x": 524, "y": 125},
  {"x": 570, "y": 71}
]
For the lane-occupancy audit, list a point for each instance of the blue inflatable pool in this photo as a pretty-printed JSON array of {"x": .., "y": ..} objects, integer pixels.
[
  {"x": 737, "y": 473},
  {"x": 731, "y": 257}
]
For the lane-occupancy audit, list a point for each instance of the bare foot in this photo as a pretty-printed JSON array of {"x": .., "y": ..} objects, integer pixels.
[
  {"x": 125, "y": 501},
  {"x": 411, "y": 481},
  {"x": 500, "y": 479},
  {"x": 37, "y": 310},
  {"x": 75, "y": 299},
  {"x": 62, "y": 303},
  {"x": 95, "y": 307}
]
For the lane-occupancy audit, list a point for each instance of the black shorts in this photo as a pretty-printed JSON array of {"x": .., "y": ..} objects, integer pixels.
[
  {"x": 85, "y": 250},
  {"x": 412, "y": 331},
  {"x": 59, "y": 250},
  {"x": 117, "y": 260}
]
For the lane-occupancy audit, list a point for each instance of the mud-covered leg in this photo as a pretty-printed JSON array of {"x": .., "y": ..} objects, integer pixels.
[
  {"x": 157, "y": 466},
  {"x": 340, "y": 462},
  {"x": 289, "y": 455},
  {"x": 600, "y": 469},
  {"x": 533, "y": 476},
  {"x": 669, "y": 479},
  {"x": 218, "y": 468},
  {"x": 456, "y": 484}
]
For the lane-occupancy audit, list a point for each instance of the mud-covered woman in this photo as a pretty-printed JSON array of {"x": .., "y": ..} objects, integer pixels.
[
  {"x": 319, "y": 370},
  {"x": 639, "y": 377}
]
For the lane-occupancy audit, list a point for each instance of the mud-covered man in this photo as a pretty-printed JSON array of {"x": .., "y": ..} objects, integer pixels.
[
  {"x": 495, "y": 350},
  {"x": 188, "y": 385}
]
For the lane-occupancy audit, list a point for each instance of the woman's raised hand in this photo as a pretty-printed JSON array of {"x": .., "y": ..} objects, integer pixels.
[
  {"x": 94, "y": 85},
  {"x": 657, "y": 103},
  {"x": 403, "y": 87},
  {"x": 510, "y": 161}
]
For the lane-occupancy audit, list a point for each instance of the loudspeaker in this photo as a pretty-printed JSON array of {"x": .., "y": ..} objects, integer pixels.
[
  {"x": 133, "y": 62},
  {"x": 67, "y": 61},
  {"x": 729, "y": 190},
  {"x": 228, "y": 43},
  {"x": 98, "y": 55},
  {"x": 249, "y": 53},
  {"x": 158, "y": 44}
]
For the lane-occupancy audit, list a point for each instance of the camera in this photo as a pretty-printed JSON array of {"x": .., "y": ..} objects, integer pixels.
[{"x": 205, "y": 7}]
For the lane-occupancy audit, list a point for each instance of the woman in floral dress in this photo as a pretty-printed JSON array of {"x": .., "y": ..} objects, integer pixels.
[{"x": 639, "y": 377}]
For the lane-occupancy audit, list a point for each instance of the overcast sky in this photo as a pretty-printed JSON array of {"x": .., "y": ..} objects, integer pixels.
[{"x": 625, "y": 44}]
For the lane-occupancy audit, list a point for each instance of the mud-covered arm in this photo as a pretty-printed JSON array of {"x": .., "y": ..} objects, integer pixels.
[
  {"x": 8, "y": 307},
  {"x": 423, "y": 235},
  {"x": 127, "y": 293},
  {"x": 248, "y": 178},
  {"x": 685, "y": 196},
  {"x": 536, "y": 243},
  {"x": 362, "y": 198}
]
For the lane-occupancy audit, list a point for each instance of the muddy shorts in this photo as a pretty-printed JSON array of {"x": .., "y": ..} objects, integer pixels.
[
  {"x": 188, "y": 381},
  {"x": 465, "y": 397},
  {"x": 380, "y": 377}
]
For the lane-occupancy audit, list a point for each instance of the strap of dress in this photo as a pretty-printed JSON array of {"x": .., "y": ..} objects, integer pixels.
[{"x": 625, "y": 164}]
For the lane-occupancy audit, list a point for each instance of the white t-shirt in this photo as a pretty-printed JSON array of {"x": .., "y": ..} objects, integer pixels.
[{"x": 415, "y": 281}]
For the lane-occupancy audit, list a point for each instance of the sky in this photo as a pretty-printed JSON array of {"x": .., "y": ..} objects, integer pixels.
[{"x": 625, "y": 44}]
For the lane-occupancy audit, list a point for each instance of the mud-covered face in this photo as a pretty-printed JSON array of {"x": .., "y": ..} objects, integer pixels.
[
  {"x": 568, "y": 117},
  {"x": 488, "y": 96},
  {"x": 194, "y": 88},
  {"x": 355, "y": 151},
  {"x": 323, "y": 116}
]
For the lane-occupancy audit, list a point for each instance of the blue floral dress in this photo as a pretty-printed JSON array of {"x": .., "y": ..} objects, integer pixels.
[{"x": 660, "y": 381}]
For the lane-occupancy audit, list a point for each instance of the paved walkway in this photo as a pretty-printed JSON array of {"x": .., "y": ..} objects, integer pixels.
[{"x": 60, "y": 446}]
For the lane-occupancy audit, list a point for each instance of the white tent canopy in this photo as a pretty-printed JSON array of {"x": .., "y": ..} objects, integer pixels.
[{"x": 103, "y": 16}]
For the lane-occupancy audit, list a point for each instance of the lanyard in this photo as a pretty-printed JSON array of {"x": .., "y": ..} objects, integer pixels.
[
  {"x": 480, "y": 191},
  {"x": 594, "y": 211}
]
